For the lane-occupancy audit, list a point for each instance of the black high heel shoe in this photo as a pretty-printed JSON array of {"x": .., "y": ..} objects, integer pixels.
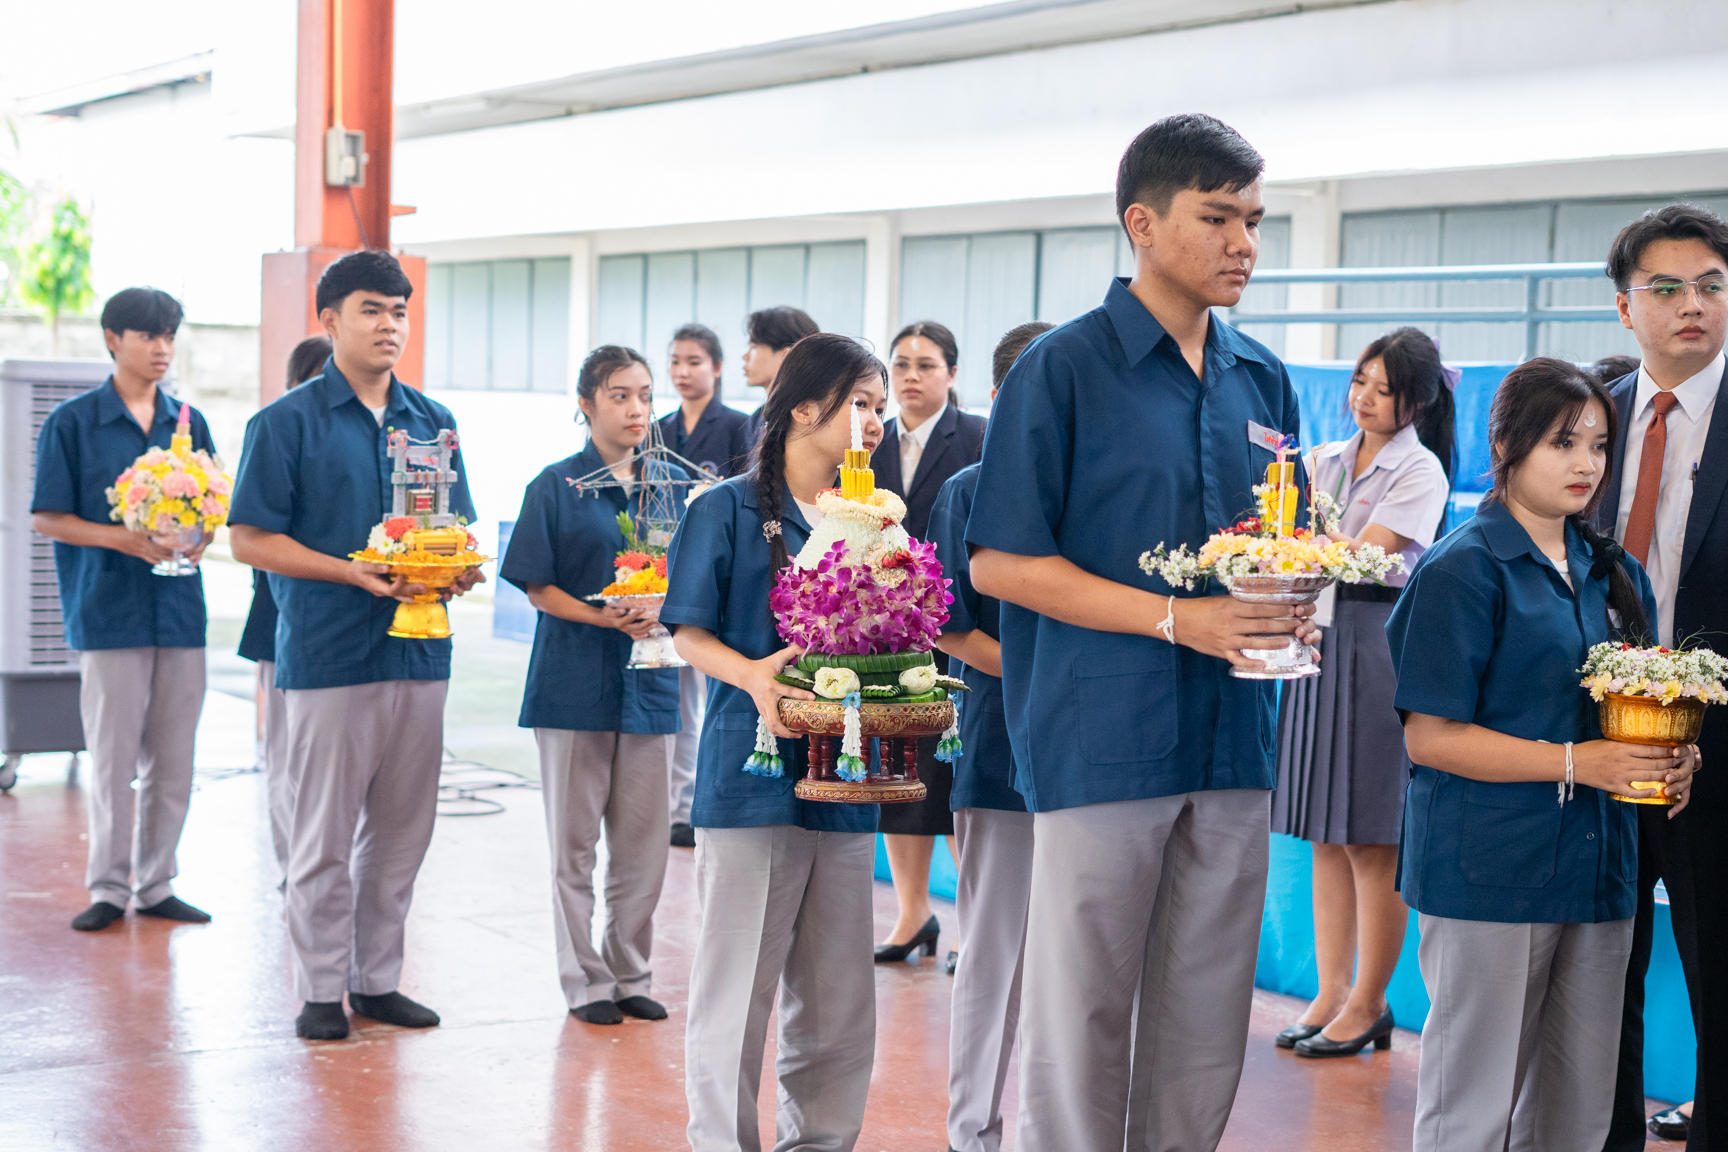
[
  {"x": 1295, "y": 1033},
  {"x": 924, "y": 938},
  {"x": 1380, "y": 1036}
]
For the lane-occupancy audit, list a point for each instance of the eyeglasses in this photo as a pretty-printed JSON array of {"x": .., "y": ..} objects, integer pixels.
[{"x": 1713, "y": 288}]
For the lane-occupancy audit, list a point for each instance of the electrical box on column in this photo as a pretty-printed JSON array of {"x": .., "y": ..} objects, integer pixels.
[{"x": 344, "y": 157}]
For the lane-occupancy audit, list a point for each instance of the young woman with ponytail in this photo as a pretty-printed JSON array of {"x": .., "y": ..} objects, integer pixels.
[
  {"x": 784, "y": 885},
  {"x": 1515, "y": 853},
  {"x": 1341, "y": 765}
]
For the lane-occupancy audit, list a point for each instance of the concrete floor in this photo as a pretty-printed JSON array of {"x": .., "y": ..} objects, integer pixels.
[{"x": 152, "y": 1036}]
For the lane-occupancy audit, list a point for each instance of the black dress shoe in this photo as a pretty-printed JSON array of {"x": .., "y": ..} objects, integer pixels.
[
  {"x": 97, "y": 917},
  {"x": 393, "y": 1008},
  {"x": 924, "y": 938},
  {"x": 175, "y": 908},
  {"x": 1672, "y": 1124},
  {"x": 322, "y": 1020},
  {"x": 1289, "y": 1037},
  {"x": 642, "y": 1008},
  {"x": 683, "y": 836},
  {"x": 598, "y": 1012},
  {"x": 1380, "y": 1036},
  {"x": 951, "y": 963}
]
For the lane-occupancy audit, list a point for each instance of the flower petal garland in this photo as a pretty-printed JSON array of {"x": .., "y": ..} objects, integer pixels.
[
  {"x": 1229, "y": 554},
  {"x": 1658, "y": 673},
  {"x": 765, "y": 761},
  {"x": 849, "y": 765},
  {"x": 844, "y": 609},
  {"x": 948, "y": 747}
]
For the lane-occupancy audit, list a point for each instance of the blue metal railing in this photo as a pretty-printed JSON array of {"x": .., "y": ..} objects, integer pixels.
[{"x": 1532, "y": 313}]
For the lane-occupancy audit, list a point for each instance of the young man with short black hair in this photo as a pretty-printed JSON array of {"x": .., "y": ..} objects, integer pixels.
[
  {"x": 1665, "y": 504},
  {"x": 139, "y": 636},
  {"x": 771, "y": 332},
  {"x": 1147, "y": 766},
  {"x": 365, "y": 711}
]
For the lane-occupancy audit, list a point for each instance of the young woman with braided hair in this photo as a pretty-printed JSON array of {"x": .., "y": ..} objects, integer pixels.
[
  {"x": 1525, "y": 898},
  {"x": 784, "y": 885}
]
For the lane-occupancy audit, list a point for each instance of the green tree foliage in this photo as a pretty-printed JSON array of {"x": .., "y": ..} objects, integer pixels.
[
  {"x": 13, "y": 212},
  {"x": 57, "y": 271}
]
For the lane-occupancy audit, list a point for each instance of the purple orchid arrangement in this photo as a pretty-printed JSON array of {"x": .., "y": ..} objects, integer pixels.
[{"x": 841, "y": 609}]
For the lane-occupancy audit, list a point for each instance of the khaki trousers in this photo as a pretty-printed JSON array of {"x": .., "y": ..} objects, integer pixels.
[
  {"x": 140, "y": 708},
  {"x": 1141, "y": 938},
  {"x": 363, "y": 765},
  {"x": 790, "y": 910},
  {"x": 615, "y": 781}
]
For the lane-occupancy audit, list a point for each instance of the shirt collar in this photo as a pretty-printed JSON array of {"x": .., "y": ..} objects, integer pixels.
[
  {"x": 110, "y": 407},
  {"x": 337, "y": 390},
  {"x": 1138, "y": 331},
  {"x": 921, "y": 434},
  {"x": 1694, "y": 395},
  {"x": 1507, "y": 538}
]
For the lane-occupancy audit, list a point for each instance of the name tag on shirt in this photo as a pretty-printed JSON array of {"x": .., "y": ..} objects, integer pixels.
[{"x": 1263, "y": 437}]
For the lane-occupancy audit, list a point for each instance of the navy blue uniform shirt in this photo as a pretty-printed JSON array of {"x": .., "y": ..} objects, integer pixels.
[
  {"x": 569, "y": 538},
  {"x": 984, "y": 773},
  {"x": 315, "y": 467},
  {"x": 719, "y": 575},
  {"x": 1488, "y": 633},
  {"x": 107, "y": 598},
  {"x": 258, "y": 638},
  {"x": 1103, "y": 444},
  {"x": 721, "y": 442}
]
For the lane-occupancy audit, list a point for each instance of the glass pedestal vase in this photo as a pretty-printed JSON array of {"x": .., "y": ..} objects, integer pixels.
[
  {"x": 182, "y": 544},
  {"x": 1282, "y": 656},
  {"x": 654, "y": 650}
]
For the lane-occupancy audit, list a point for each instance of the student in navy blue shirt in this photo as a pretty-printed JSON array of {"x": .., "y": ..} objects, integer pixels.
[
  {"x": 771, "y": 332},
  {"x": 784, "y": 884},
  {"x": 992, "y": 829},
  {"x": 1147, "y": 766},
  {"x": 139, "y": 636},
  {"x": 604, "y": 731},
  {"x": 1514, "y": 853},
  {"x": 717, "y": 439},
  {"x": 258, "y": 644},
  {"x": 365, "y": 709}
]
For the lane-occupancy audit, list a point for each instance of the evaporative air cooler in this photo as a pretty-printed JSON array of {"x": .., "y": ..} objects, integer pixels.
[{"x": 38, "y": 673}]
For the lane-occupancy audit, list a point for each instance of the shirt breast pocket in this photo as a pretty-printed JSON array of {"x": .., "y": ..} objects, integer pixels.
[
  {"x": 734, "y": 736},
  {"x": 1511, "y": 835},
  {"x": 1135, "y": 712}
]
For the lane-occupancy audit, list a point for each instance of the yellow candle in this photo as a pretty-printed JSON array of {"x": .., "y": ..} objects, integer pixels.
[{"x": 1278, "y": 505}]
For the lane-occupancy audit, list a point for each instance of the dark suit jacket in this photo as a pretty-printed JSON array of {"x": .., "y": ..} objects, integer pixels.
[
  {"x": 721, "y": 442},
  {"x": 956, "y": 441},
  {"x": 1701, "y": 602}
]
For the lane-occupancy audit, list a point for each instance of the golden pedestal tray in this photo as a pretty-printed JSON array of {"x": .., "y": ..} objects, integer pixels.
[
  {"x": 1643, "y": 720},
  {"x": 436, "y": 557},
  {"x": 892, "y": 780}
]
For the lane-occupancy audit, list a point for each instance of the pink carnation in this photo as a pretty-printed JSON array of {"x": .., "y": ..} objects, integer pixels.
[
  {"x": 125, "y": 477},
  {"x": 179, "y": 484},
  {"x": 841, "y": 609},
  {"x": 210, "y": 506},
  {"x": 219, "y": 484},
  {"x": 135, "y": 495}
]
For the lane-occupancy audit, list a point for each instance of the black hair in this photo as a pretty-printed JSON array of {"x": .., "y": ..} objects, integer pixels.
[
  {"x": 1611, "y": 368},
  {"x": 147, "y": 310},
  {"x": 1537, "y": 399},
  {"x": 822, "y": 368},
  {"x": 1420, "y": 394},
  {"x": 703, "y": 335},
  {"x": 598, "y": 366},
  {"x": 939, "y": 335},
  {"x": 779, "y": 327},
  {"x": 1013, "y": 343},
  {"x": 370, "y": 270},
  {"x": 1192, "y": 150},
  {"x": 307, "y": 359},
  {"x": 1672, "y": 222}
]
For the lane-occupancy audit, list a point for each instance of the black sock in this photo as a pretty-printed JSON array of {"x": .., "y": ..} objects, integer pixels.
[
  {"x": 598, "y": 1012},
  {"x": 97, "y": 917},
  {"x": 322, "y": 1020},
  {"x": 642, "y": 1008},
  {"x": 393, "y": 1008}
]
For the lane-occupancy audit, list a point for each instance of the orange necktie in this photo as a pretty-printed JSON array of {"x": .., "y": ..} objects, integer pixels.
[{"x": 1641, "y": 523}]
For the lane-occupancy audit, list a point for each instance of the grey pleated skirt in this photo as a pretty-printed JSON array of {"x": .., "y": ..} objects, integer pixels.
[{"x": 1342, "y": 768}]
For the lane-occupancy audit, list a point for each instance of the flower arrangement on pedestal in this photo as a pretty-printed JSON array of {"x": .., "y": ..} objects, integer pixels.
[
  {"x": 639, "y": 582},
  {"x": 1266, "y": 559},
  {"x": 1653, "y": 696},
  {"x": 175, "y": 495}
]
